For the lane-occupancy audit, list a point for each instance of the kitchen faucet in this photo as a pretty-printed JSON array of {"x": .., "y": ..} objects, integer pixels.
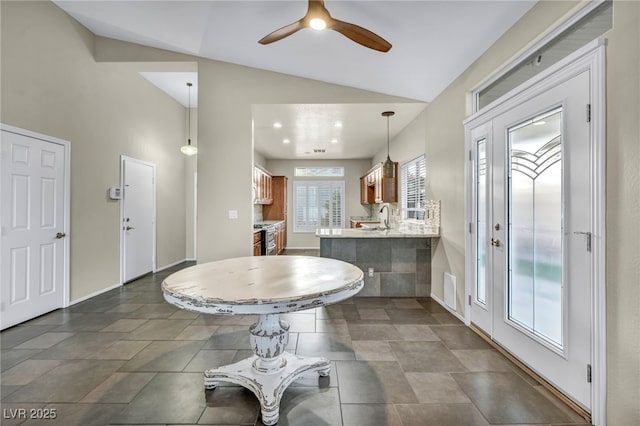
[{"x": 386, "y": 221}]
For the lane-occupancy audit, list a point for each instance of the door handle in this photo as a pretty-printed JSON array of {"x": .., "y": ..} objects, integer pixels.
[
  {"x": 60, "y": 235},
  {"x": 128, "y": 228},
  {"x": 495, "y": 243}
]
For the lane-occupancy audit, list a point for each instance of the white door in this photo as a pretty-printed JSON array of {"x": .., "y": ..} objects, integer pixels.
[
  {"x": 34, "y": 214},
  {"x": 534, "y": 235},
  {"x": 138, "y": 218}
]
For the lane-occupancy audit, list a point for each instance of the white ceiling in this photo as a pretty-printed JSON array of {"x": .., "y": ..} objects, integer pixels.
[
  {"x": 361, "y": 134},
  {"x": 433, "y": 42}
]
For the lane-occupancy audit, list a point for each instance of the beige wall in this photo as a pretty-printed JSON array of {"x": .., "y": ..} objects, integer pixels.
[
  {"x": 353, "y": 169},
  {"x": 52, "y": 85},
  {"x": 623, "y": 216},
  {"x": 190, "y": 178}
]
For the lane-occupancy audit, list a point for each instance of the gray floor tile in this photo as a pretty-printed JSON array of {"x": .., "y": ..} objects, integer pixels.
[
  {"x": 79, "y": 414},
  {"x": 12, "y": 357},
  {"x": 159, "y": 329},
  {"x": 410, "y": 316},
  {"x": 338, "y": 326},
  {"x": 370, "y": 415},
  {"x": 16, "y": 335},
  {"x": 328, "y": 345},
  {"x": 118, "y": 388},
  {"x": 440, "y": 415},
  {"x": 309, "y": 407},
  {"x": 44, "y": 341},
  {"x": 164, "y": 356},
  {"x": 167, "y": 398},
  {"x": 506, "y": 398},
  {"x": 436, "y": 388},
  {"x": 68, "y": 382},
  {"x": 416, "y": 332},
  {"x": 27, "y": 371},
  {"x": 373, "y": 314},
  {"x": 427, "y": 357},
  {"x": 243, "y": 320},
  {"x": 483, "y": 360},
  {"x": 153, "y": 311},
  {"x": 81, "y": 346},
  {"x": 372, "y": 331},
  {"x": 209, "y": 358},
  {"x": 124, "y": 325},
  {"x": 89, "y": 322},
  {"x": 380, "y": 382},
  {"x": 197, "y": 332},
  {"x": 121, "y": 349},
  {"x": 229, "y": 337},
  {"x": 459, "y": 337},
  {"x": 373, "y": 350},
  {"x": 230, "y": 406}
]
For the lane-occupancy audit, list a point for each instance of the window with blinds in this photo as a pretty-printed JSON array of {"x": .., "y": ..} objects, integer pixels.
[
  {"x": 318, "y": 204},
  {"x": 412, "y": 188}
]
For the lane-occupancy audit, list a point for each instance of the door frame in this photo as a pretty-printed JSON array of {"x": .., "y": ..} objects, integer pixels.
[
  {"x": 124, "y": 158},
  {"x": 66, "y": 295},
  {"x": 592, "y": 58}
]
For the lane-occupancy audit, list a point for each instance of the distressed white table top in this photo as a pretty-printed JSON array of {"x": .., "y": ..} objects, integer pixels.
[{"x": 260, "y": 280}]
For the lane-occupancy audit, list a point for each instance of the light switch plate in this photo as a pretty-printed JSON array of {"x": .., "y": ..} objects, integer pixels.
[{"x": 233, "y": 214}]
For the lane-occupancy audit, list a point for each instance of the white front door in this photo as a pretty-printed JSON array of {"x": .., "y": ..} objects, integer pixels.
[
  {"x": 34, "y": 213},
  {"x": 533, "y": 227},
  {"x": 138, "y": 218}
]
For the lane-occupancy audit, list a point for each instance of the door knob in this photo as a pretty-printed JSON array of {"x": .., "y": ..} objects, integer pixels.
[
  {"x": 495, "y": 243},
  {"x": 60, "y": 235},
  {"x": 496, "y": 227},
  {"x": 128, "y": 228}
]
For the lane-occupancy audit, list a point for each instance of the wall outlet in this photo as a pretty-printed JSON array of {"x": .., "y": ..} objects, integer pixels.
[
  {"x": 370, "y": 272},
  {"x": 233, "y": 214}
]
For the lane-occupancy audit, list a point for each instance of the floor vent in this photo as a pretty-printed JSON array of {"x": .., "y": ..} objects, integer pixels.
[{"x": 450, "y": 290}]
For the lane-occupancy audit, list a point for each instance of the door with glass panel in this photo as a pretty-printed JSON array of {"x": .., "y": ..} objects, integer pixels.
[{"x": 533, "y": 235}]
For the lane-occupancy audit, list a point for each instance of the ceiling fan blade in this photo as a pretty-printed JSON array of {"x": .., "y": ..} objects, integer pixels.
[
  {"x": 360, "y": 35},
  {"x": 283, "y": 32}
]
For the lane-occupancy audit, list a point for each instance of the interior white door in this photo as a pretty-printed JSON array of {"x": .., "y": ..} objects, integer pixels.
[
  {"x": 531, "y": 243},
  {"x": 138, "y": 218},
  {"x": 33, "y": 227}
]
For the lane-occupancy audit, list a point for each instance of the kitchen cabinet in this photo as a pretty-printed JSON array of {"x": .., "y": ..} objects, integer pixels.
[
  {"x": 262, "y": 183},
  {"x": 277, "y": 209},
  {"x": 257, "y": 243},
  {"x": 375, "y": 188}
]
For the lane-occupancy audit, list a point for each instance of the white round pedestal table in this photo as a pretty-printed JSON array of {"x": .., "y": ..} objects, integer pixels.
[{"x": 266, "y": 286}]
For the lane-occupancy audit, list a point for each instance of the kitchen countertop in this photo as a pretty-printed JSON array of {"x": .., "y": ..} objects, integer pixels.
[{"x": 362, "y": 233}]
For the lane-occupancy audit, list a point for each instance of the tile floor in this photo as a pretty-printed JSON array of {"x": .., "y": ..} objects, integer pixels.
[{"x": 126, "y": 357}]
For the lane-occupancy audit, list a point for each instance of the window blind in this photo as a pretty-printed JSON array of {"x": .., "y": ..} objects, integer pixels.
[
  {"x": 413, "y": 192},
  {"x": 318, "y": 204}
]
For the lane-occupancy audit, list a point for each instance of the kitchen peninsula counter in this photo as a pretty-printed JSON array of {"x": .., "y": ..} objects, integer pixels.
[
  {"x": 395, "y": 264},
  {"x": 365, "y": 233}
]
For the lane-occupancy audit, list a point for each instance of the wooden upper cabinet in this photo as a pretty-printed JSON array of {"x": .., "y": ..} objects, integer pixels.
[
  {"x": 374, "y": 188},
  {"x": 262, "y": 185}
]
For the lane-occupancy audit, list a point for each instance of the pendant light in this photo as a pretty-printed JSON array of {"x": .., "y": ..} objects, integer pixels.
[
  {"x": 388, "y": 168},
  {"x": 189, "y": 149}
]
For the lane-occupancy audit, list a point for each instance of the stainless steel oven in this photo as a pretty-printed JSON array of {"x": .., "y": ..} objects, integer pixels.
[{"x": 270, "y": 240}]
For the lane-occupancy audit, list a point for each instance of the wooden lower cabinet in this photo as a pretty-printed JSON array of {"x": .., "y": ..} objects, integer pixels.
[
  {"x": 257, "y": 243},
  {"x": 277, "y": 210}
]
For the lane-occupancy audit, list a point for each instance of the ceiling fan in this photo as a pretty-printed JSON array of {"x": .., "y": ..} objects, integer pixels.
[{"x": 319, "y": 18}]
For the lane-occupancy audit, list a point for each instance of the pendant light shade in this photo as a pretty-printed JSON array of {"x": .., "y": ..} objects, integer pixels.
[
  {"x": 388, "y": 168},
  {"x": 189, "y": 149}
]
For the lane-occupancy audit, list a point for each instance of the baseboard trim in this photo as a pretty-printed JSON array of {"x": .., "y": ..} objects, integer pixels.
[
  {"x": 548, "y": 386},
  {"x": 94, "y": 294},
  {"x": 170, "y": 265},
  {"x": 302, "y": 248},
  {"x": 441, "y": 302}
]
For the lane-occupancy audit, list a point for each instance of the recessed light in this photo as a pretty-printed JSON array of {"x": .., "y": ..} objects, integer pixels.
[
  {"x": 285, "y": 141},
  {"x": 338, "y": 124},
  {"x": 334, "y": 140},
  {"x": 277, "y": 125}
]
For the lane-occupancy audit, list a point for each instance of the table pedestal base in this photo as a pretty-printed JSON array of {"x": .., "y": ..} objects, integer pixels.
[{"x": 271, "y": 370}]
